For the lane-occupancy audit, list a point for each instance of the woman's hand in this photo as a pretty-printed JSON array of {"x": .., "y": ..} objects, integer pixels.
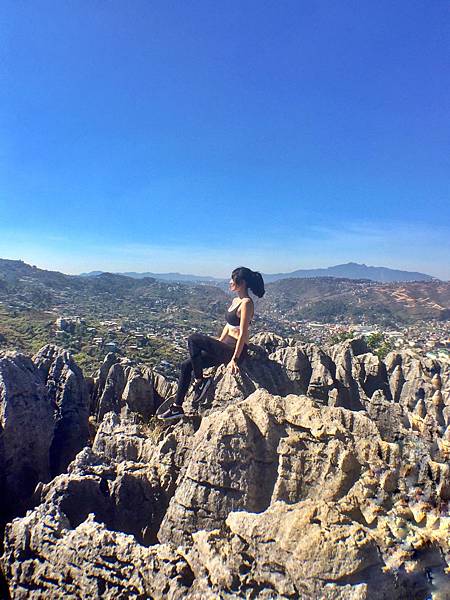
[{"x": 233, "y": 366}]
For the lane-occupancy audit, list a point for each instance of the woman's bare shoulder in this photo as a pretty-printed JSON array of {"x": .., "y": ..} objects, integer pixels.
[{"x": 249, "y": 302}]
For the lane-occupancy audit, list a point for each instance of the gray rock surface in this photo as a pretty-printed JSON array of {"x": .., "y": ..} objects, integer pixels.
[
  {"x": 124, "y": 495},
  {"x": 306, "y": 550},
  {"x": 44, "y": 421},
  {"x": 261, "y": 450},
  {"x": 313, "y": 473},
  {"x": 68, "y": 393},
  {"x": 89, "y": 561},
  {"x": 124, "y": 387},
  {"x": 26, "y": 432}
]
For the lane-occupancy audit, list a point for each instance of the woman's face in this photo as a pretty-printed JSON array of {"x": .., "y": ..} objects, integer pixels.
[{"x": 233, "y": 286}]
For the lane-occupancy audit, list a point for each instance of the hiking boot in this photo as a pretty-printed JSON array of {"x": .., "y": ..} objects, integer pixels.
[
  {"x": 173, "y": 412},
  {"x": 200, "y": 389}
]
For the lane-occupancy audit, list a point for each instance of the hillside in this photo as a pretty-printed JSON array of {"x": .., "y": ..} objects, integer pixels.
[
  {"x": 23, "y": 286},
  {"x": 179, "y": 277},
  {"x": 333, "y": 299},
  {"x": 149, "y": 320},
  {"x": 317, "y": 298},
  {"x": 146, "y": 318}
]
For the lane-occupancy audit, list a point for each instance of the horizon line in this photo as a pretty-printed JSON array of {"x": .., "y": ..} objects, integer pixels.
[{"x": 215, "y": 277}]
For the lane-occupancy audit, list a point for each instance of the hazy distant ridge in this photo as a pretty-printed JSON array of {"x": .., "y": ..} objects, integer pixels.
[
  {"x": 349, "y": 270},
  {"x": 165, "y": 276},
  {"x": 353, "y": 270},
  {"x": 327, "y": 299}
]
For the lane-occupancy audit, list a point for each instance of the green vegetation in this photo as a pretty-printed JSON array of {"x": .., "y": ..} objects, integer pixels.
[
  {"x": 28, "y": 330},
  {"x": 144, "y": 319},
  {"x": 337, "y": 338},
  {"x": 24, "y": 331},
  {"x": 379, "y": 344}
]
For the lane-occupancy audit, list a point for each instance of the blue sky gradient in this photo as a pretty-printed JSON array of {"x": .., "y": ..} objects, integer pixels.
[{"x": 198, "y": 136}]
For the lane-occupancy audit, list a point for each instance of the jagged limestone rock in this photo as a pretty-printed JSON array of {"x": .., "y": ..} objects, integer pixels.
[
  {"x": 270, "y": 341},
  {"x": 26, "y": 432},
  {"x": 124, "y": 387},
  {"x": 372, "y": 375},
  {"x": 321, "y": 501},
  {"x": 125, "y": 496},
  {"x": 266, "y": 448},
  {"x": 307, "y": 550},
  {"x": 341, "y": 492},
  {"x": 137, "y": 395},
  {"x": 47, "y": 559},
  {"x": 396, "y": 382},
  {"x": 110, "y": 395},
  {"x": 67, "y": 391},
  {"x": 163, "y": 449}
]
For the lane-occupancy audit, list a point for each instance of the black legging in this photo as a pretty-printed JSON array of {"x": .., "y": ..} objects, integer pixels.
[{"x": 205, "y": 351}]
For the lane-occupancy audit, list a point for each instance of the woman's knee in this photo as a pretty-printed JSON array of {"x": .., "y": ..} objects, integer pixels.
[
  {"x": 195, "y": 337},
  {"x": 186, "y": 365},
  {"x": 196, "y": 342}
]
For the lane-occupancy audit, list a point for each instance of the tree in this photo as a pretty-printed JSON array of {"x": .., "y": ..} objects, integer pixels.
[
  {"x": 379, "y": 344},
  {"x": 337, "y": 338}
]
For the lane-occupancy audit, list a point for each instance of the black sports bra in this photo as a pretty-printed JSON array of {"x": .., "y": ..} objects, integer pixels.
[{"x": 232, "y": 318}]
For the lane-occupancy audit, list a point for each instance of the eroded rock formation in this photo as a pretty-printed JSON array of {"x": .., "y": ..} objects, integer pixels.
[
  {"x": 314, "y": 473},
  {"x": 68, "y": 395},
  {"x": 122, "y": 387},
  {"x": 26, "y": 432}
]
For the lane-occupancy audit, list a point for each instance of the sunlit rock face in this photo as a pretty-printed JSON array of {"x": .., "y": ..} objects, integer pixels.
[
  {"x": 124, "y": 387},
  {"x": 313, "y": 473}
]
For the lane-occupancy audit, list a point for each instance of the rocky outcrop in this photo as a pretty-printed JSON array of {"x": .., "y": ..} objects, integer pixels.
[
  {"x": 123, "y": 387},
  {"x": 126, "y": 480},
  {"x": 67, "y": 391},
  {"x": 289, "y": 551},
  {"x": 26, "y": 432},
  {"x": 125, "y": 496},
  {"x": 313, "y": 473},
  {"x": 44, "y": 421},
  {"x": 266, "y": 449},
  {"x": 325, "y": 506},
  {"x": 306, "y": 550},
  {"x": 89, "y": 562}
]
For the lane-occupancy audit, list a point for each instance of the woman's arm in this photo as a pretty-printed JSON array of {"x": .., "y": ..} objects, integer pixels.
[
  {"x": 223, "y": 335},
  {"x": 246, "y": 315}
]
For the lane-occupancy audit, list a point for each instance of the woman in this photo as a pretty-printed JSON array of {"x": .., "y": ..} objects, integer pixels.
[{"x": 231, "y": 347}]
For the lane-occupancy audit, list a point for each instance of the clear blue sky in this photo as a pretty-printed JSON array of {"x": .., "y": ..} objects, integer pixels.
[{"x": 196, "y": 136}]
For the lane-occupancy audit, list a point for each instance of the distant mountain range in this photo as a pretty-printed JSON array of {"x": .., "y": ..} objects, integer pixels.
[
  {"x": 298, "y": 295},
  {"x": 179, "y": 277},
  {"x": 349, "y": 270},
  {"x": 353, "y": 270}
]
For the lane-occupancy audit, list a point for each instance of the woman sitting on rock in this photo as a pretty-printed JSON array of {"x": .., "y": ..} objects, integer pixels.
[{"x": 231, "y": 347}]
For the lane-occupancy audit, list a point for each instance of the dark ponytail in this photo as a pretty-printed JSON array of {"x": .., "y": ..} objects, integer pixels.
[
  {"x": 253, "y": 279},
  {"x": 257, "y": 285}
]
